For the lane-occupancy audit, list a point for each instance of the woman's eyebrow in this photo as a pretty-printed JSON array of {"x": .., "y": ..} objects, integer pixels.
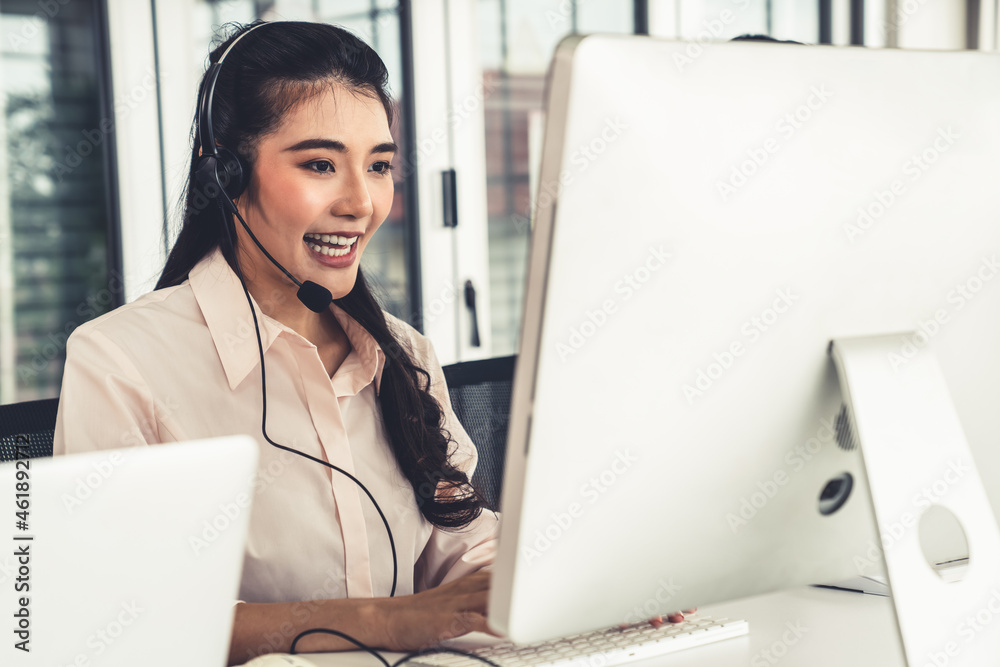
[{"x": 334, "y": 145}]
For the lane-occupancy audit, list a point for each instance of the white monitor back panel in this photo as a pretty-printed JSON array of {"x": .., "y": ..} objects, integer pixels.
[{"x": 719, "y": 220}]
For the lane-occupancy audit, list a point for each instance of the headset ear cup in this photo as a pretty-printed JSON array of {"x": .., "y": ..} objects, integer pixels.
[
  {"x": 233, "y": 173},
  {"x": 206, "y": 174},
  {"x": 224, "y": 172}
]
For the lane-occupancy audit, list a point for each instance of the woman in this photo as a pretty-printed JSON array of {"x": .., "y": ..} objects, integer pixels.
[{"x": 305, "y": 107}]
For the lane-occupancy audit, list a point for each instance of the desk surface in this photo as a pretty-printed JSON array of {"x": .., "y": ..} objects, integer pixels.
[{"x": 810, "y": 627}]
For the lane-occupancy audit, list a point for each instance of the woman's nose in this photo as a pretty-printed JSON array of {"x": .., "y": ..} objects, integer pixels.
[{"x": 353, "y": 198}]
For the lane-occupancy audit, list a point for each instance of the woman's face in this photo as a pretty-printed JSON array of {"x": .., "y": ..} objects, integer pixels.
[{"x": 323, "y": 187}]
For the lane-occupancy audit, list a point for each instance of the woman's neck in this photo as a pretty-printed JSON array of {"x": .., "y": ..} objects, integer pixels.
[{"x": 279, "y": 301}]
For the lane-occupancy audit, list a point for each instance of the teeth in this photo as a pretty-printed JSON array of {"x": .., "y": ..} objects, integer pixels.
[
  {"x": 328, "y": 251},
  {"x": 333, "y": 238},
  {"x": 345, "y": 241}
]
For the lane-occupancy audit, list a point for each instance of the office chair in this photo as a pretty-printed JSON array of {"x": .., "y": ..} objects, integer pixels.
[
  {"x": 480, "y": 394},
  {"x": 31, "y": 422}
]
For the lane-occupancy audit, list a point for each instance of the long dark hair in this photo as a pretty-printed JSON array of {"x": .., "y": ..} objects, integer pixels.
[{"x": 273, "y": 70}]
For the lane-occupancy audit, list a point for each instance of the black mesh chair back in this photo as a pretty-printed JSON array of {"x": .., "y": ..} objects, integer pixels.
[
  {"x": 31, "y": 423},
  {"x": 480, "y": 394}
]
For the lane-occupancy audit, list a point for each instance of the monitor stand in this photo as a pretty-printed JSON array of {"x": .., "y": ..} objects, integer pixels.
[{"x": 910, "y": 438}]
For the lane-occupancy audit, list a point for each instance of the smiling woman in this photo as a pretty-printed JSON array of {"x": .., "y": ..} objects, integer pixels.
[{"x": 293, "y": 132}]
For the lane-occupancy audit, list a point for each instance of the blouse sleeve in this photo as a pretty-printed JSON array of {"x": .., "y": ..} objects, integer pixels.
[
  {"x": 104, "y": 403},
  {"x": 451, "y": 554}
]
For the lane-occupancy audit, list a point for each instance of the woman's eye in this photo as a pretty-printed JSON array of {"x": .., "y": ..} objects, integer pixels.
[
  {"x": 321, "y": 166},
  {"x": 382, "y": 167}
]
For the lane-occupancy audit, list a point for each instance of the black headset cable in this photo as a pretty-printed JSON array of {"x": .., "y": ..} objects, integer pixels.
[{"x": 263, "y": 382}]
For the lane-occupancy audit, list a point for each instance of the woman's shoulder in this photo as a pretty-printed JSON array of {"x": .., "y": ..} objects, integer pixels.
[{"x": 155, "y": 314}]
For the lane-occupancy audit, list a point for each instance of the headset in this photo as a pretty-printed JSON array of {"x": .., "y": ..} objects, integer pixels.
[{"x": 224, "y": 175}]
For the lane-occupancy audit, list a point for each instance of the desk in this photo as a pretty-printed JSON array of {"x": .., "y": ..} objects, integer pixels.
[{"x": 834, "y": 628}]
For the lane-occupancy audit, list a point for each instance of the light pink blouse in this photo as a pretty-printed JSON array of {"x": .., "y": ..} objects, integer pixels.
[{"x": 182, "y": 363}]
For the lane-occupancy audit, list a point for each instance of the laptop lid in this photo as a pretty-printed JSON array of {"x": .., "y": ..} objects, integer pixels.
[{"x": 125, "y": 557}]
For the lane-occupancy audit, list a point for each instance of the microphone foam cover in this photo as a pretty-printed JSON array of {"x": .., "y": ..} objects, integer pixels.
[{"x": 315, "y": 297}]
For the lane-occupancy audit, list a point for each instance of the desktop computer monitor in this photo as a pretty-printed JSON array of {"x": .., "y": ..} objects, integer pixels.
[{"x": 709, "y": 218}]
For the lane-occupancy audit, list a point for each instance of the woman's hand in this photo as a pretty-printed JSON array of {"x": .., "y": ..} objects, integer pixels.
[
  {"x": 658, "y": 621},
  {"x": 675, "y": 617},
  {"x": 418, "y": 621}
]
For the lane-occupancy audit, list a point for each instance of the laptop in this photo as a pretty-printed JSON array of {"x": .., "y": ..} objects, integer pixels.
[{"x": 125, "y": 557}]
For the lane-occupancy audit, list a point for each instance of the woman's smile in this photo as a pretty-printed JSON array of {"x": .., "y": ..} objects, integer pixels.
[{"x": 333, "y": 250}]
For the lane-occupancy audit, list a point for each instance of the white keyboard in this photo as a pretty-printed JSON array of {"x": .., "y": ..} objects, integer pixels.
[{"x": 604, "y": 647}]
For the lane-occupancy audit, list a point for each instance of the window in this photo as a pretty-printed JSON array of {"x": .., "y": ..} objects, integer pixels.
[
  {"x": 517, "y": 40},
  {"x": 59, "y": 264}
]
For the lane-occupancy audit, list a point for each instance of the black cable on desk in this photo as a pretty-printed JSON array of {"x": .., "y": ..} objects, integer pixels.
[{"x": 406, "y": 658}]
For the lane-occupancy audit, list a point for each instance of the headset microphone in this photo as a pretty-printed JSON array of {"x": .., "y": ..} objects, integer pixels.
[{"x": 316, "y": 297}]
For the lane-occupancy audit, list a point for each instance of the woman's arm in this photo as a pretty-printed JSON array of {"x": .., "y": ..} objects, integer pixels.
[{"x": 406, "y": 623}]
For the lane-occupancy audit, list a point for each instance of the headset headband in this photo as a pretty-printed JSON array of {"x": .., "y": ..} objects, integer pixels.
[{"x": 205, "y": 131}]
